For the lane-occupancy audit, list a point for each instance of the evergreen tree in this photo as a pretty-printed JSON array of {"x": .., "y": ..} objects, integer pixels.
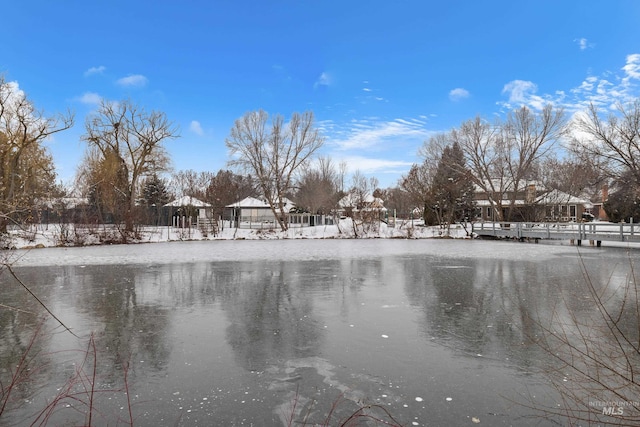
[
  {"x": 452, "y": 189},
  {"x": 155, "y": 192},
  {"x": 624, "y": 202},
  {"x": 155, "y": 195}
]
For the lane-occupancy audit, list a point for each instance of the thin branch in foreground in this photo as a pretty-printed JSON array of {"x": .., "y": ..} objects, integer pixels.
[{"x": 15, "y": 276}]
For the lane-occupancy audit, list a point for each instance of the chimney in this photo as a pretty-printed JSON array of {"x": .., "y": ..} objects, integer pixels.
[{"x": 531, "y": 193}]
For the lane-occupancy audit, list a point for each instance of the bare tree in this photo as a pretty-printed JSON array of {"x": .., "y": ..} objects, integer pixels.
[
  {"x": 135, "y": 138},
  {"x": 397, "y": 200},
  {"x": 360, "y": 204},
  {"x": 417, "y": 184},
  {"x": 317, "y": 187},
  {"x": 273, "y": 151},
  {"x": 226, "y": 188},
  {"x": 614, "y": 141},
  {"x": 191, "y": 183},
  {"x": 501, "y": 156},
  {"x": 26, "y": 169},
  {"x": 103, "y": 179}
]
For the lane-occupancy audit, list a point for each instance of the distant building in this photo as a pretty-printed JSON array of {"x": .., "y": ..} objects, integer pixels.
[
  {"x": 187, "y": 211},
  {"x": 531, "y": 202}
]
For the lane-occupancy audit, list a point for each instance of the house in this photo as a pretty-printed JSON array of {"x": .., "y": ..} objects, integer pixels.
[
  {"x": 357, "y": 205},
  {"x": 62, "y": 210},
  {"x": 187, "y": 211},
  {"x": 598, "y": 203},
  {"x": 532, "y": 202},
  {"x": 560, "y": 206},
  {"x": 252, "y": 212}
]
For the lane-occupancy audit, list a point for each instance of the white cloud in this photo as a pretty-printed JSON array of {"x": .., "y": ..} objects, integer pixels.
[
  {"x": 608, "y": 90},
  {"x": 134, "y": 80},
  {"x": 11, "y": 94},
  {"x": 90, "y": 98},
  {"x": 632, "y": 67},
  {"x": 604, "y": 92},
  {"x": 519, "y": 90},
  {"x": 196, "y": 128},
  {"x": 522, "y": 92},
  {"x": 583, "y": 43},
  {"x": 323, "y": 80},
  {"x": 95, "y": 70},
  {"x": 458, "y": 93},
  {"x": 366, "y": 89}
]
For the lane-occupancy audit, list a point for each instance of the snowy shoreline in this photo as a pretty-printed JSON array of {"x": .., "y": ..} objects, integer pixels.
[{"x": 66, "y": 235}]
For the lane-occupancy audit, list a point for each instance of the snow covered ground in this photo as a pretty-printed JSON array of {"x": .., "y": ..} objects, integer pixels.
[{"x": 56, "y": 235}]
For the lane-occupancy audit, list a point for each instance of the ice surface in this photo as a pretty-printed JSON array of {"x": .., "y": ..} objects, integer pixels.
[{"x": 283, "y": 250}]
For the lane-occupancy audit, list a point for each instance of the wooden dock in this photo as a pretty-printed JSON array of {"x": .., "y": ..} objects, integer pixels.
[{"x": 594, "y": 232}]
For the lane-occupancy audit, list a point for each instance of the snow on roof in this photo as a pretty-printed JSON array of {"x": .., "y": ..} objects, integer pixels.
[
  {"x": 66, "y": 202},
  {"x": 252, "y": 202},
  {"x": 188, "y": 201},
  {"x": 249, "y": 202},
  {"x": 559, "y": 197},
  {"x": 351, "y": 201},
  {"x": 553, "y": 197}
]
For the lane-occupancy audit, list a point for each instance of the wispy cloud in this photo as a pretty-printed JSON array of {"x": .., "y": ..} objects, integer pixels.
[
  {"x": 372, "y": 165},
  {"x": 458, "y": 94},
  {"x": 632, "y": 68},
  {"x": 583, "y": 43},
  {"x": 196, "y": 128},
  {"x": 375, "y": 145},
  {"x": 134, "y": 80},
  {"x": 90, "y": 98},
  {"x": 324, "y": 80},
  {"x": 369, "y": 94},
  {"x": 374, "y": 134},
  {"x": 95, "y": 70}
]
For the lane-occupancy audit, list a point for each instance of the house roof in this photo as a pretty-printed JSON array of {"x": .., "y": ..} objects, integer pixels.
[
  {"x": 188, "y": 201},
  {"x": 507, "y": 185},
  {"x": 557, "y": 197},
  {"x": 351, "y": 201},
  {"x": 249, "y": 202},
  {"x": 252, "y": 202},
  {"x": 66, "y": 202},
  {"x": 553, "y": 197}
]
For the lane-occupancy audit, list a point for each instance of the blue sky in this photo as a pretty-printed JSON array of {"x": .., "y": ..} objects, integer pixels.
[{"x": 380, "y": 76}]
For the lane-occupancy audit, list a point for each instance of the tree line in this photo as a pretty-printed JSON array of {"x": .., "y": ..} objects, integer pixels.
[
  {"x": 126, "y": 166},
  {"x": 594, "y": 152}
]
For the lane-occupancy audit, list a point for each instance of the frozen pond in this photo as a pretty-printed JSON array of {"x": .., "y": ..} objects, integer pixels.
[{"x": 250, "y": 332}]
